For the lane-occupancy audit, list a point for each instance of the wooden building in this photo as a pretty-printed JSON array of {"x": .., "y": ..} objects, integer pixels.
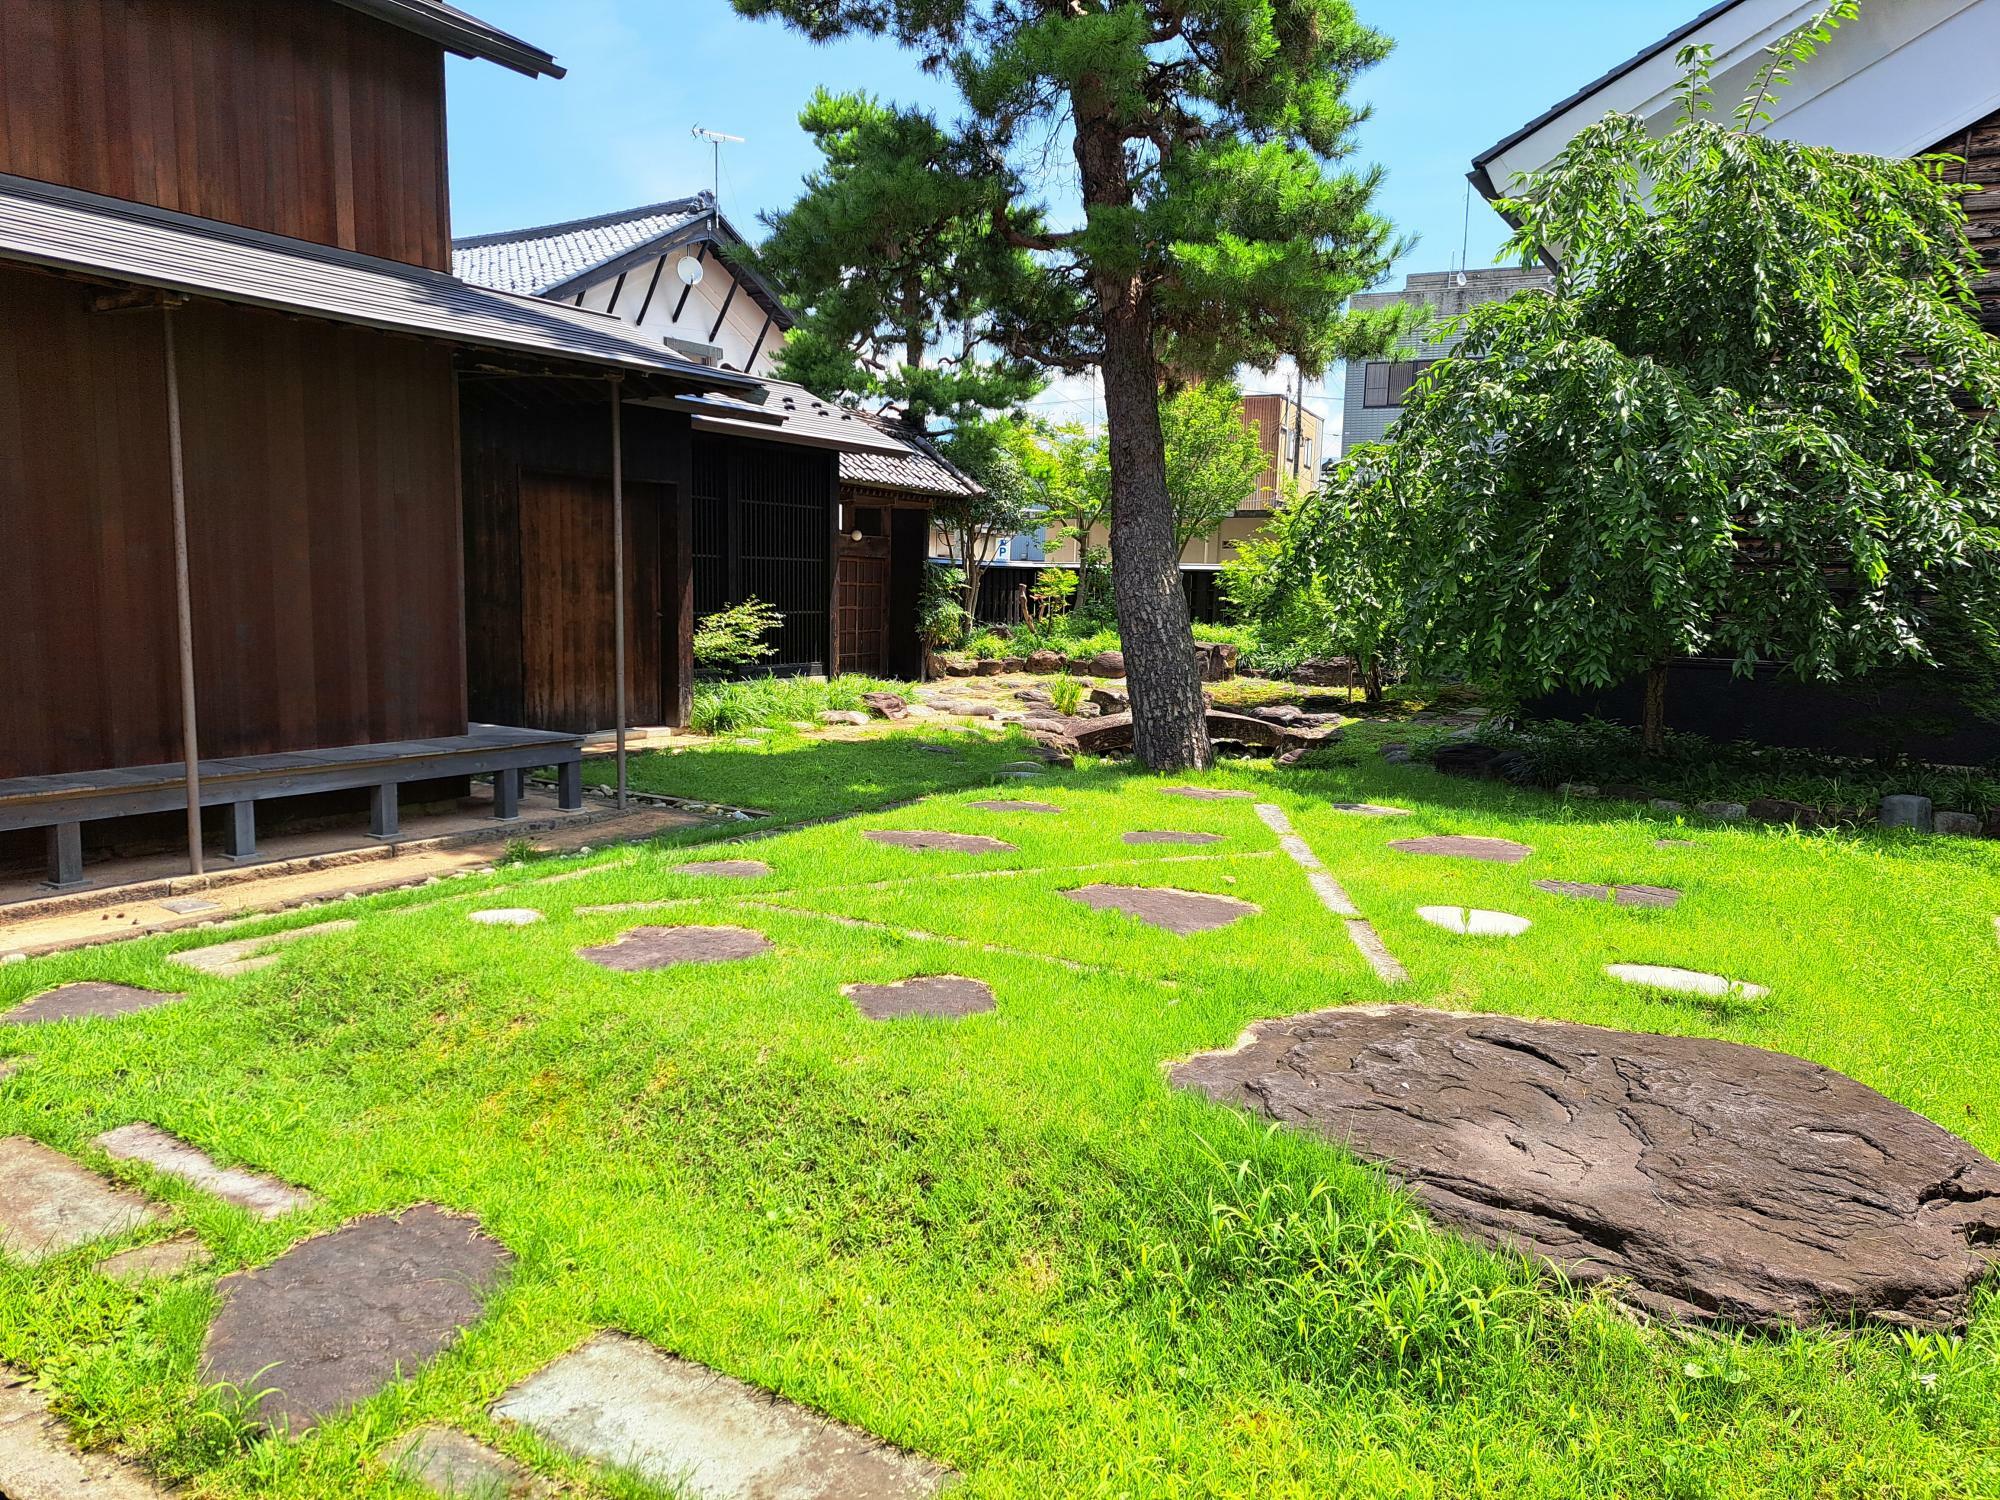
[{"x": 232, "y": 363}]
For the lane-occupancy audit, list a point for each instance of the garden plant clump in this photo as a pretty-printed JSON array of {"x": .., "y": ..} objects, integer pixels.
[{"x": 777, "y": 703}]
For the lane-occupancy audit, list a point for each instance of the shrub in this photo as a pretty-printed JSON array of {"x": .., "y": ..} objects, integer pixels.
[
  {"x": 734, "y": 637},
  {"x": 1066, "y": 693}
]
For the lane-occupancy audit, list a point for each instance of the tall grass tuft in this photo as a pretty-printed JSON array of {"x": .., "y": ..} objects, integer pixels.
[{"x": 777, "y": 702}]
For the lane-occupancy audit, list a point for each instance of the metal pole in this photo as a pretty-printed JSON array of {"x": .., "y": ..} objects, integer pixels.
[
  {"x": 190, "y": 751},
  {"x": 618, "y": 568}
]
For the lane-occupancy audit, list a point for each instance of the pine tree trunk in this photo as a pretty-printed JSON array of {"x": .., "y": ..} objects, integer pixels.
[
  {"x": 1169, "y": 718},
  {"x": 1653, "y": 731}
]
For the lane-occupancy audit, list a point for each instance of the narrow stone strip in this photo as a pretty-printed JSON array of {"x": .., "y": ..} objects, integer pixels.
[
  {"x": 1333, "y": 897},
  {"x": 254, "y": 1192},
  {"x": 38, "y": 1463},
  {"x": 247, "y": 955}
]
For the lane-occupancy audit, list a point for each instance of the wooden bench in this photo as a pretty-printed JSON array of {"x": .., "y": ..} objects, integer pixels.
[{"x": 64, "y": 803}]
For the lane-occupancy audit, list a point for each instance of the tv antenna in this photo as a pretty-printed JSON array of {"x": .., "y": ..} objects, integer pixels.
[{"x": 715, "y": 138}]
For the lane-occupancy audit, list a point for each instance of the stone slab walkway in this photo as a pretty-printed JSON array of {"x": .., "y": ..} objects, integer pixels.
[
  {"x": 38, "y": 1463},
  {"x": 248, "y": 955},
  {"x": 49, "y": 1203},
  {"x": 338, "y": 1316},
  {"x": 85, "y": 1000},
  {"x": 933, "y": 841},
  {"x": 1466, "y": 846},
  {"x": 447, "y": 1462},
  {"x": 262, "y": 1195},
  {"x": 1360, "y": 931},
  {"x": 162, "y": 1259},
  {"x": 617, "y": 1400},
  {"x": 1661, "y": 896}
]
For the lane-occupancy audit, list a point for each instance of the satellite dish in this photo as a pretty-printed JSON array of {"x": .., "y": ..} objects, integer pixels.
[
  {"x": 1461, "y": 278},
  {"x": 689, "y": 270}
]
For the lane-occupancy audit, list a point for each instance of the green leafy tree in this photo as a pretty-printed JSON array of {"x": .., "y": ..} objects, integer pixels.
[
  {"x": 1753, "y": 420},
  {"x": 1214, "y": 458},
  {"x": 1071, "y": 475},
  {"x": 992, "y": 452},
  {"x": 892, "y": 195},
  {"x": 1216, "y": 230}
]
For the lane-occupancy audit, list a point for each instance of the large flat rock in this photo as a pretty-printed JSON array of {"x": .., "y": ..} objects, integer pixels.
[
  {"x": 1182, "y": 913},
  {"x": 337, "y": 1317},
  {"x": 1724, "y": 1181},
  {"x": 38, "y": 1463},
  {"x": 84, "y": 1000},
  {"x": 618, "y": 1400},
  {"x": 49, "y": 1204}
]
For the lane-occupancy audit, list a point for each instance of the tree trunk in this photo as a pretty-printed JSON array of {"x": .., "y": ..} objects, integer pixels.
[
  {"x": 1169, "y": 722},
  {"x": 1653, "y": 732}
]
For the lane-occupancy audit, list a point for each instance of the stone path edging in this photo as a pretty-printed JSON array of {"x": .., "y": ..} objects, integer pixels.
[
  {"x": 37, "y": 1461},
  {"x": 255, "y": 1192},
  {"x": 1360, "y": 931}
]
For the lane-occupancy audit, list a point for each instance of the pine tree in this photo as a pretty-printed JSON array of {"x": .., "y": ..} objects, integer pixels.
[{"x": 1217, "y": 230}]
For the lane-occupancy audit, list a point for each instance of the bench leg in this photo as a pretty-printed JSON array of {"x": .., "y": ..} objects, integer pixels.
[
  {"x": 569, "y": 786},
  {"x": 506, "y": 795},
  {"x": 384, "y": 813},
  {"x": 66, "y": 856},
  {"x": 239, "y": 835}
]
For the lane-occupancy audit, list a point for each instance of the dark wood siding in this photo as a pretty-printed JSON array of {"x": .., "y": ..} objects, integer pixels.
[
  {"x": 1979, "y": 145},
  {"x": 537, "y": 459},
  {"x": 323, "y": 534},
  {"x": 294, "y": 116},
  {"x": 763, "y": 522}
]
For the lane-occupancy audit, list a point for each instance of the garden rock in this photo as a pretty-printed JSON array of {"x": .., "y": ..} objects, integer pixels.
[
  {"x": 1723, "y": 812},
  {"x": 1622, "y": 895},
  {"x": 84, "y": 1000},
  {"x": 987, "y": 669},
  {"x": 1215, "y": 660},
  {"x": 1714, "y": 1180},
  {"x": 1964, "y": 824},
  {"x": 1483, "y": 762},
  {"x": 1044, "y": 663},
  {"x": 338, "y": 1316},
  {"x": 1466, "y": 846},
  {"x": 1020, "y": 768},
  {"x": 886, "y": 705},
  {"x": 1472, "y": 922},
  {"x": 1326, "y": 671},
  {"x": 1666, "y": 805},
  {"x": 1110, "y": 699},
  {"x": 842, "y": 716},
  {"x": 1279, "y": 713},
  {"x": 158, "y": 1260},
  {"x": 1107, "y": 664},
  {"x": 1906, "y": 810},
  {"x": 1781, "y": 810},
  {"x": 681, "y": 1425},
  {"x": 646, "y": 948},
  {"x": 49, "y": 1204},
  {"x": 958, "y": 667},
  {"x": 946, "y": 996},
  {"x": 1397, "y": 755},
  {"x": 1179, "y": 912}
]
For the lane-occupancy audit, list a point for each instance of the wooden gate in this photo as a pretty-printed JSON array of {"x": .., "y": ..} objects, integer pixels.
[
  {"x": 566, "y": 602},
  {"x": 862, "y": 596}
]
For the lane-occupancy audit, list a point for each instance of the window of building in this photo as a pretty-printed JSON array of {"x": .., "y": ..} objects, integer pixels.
[{"x": 1387, "y": 383}]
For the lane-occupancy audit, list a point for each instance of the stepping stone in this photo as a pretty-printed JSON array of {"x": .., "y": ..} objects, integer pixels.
[
  {"x": 1206, "y": 793},
  {"x": 1473, "y": 922},
  {"x": 37, "y": 1461},
  {"x": 945, "y": 995},
  {"x": 1170, "y": 836},
  {"x": 506, "y": 916},
  {"x": 266, "y": 1197},
  {"x": 1685, "y": 981},
  {"x": 1176, "y": 911},
  {"x": 1675, "y": 844},
  {"x": 338, "y": 1316},
  {"x": 1467, "y": 846},
  {"x": 447, "y": 1462},
  {"x": 727, "y": 869},
  {"x": 955, "y": 843},
  {"x": 1715, "y": 1180},
  {"x": 646, "y": 948},
  {"x": 1016, "y": 807},
  {"x": 161, "y": 1259},
  {"x": 1370, "y": 809},
  {"x": 1623, "y": 895},
  {"x": 85, "y": 1000},
  {"x": 247, "y": 955},
  {"x": 49, "y": 1204},
  {"x": 619, "y": 1401},
  {"x": 9, "y": 1066}
]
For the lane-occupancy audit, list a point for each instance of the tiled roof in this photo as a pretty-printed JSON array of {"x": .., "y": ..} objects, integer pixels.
[
  {"x": 112, "y": 240},
  {"x": 922, "y": 468},
  {"x": 533, "y": 261}
]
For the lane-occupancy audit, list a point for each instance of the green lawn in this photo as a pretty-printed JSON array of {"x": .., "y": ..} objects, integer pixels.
[{"x": 1004, "y": 1241}]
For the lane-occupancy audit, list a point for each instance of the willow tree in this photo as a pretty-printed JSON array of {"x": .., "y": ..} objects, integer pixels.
[
  {"x": 1217, "y": 229},
  {"x": 1754, "y": 420}
]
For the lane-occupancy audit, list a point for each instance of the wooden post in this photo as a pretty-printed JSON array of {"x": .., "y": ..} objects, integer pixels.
[
  {"x": 190, "y": 739},
  {"x": 618, "y": 567}
]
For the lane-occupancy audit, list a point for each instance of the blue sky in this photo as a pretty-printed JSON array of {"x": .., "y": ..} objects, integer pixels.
[{"x": 615, "y": 132}]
